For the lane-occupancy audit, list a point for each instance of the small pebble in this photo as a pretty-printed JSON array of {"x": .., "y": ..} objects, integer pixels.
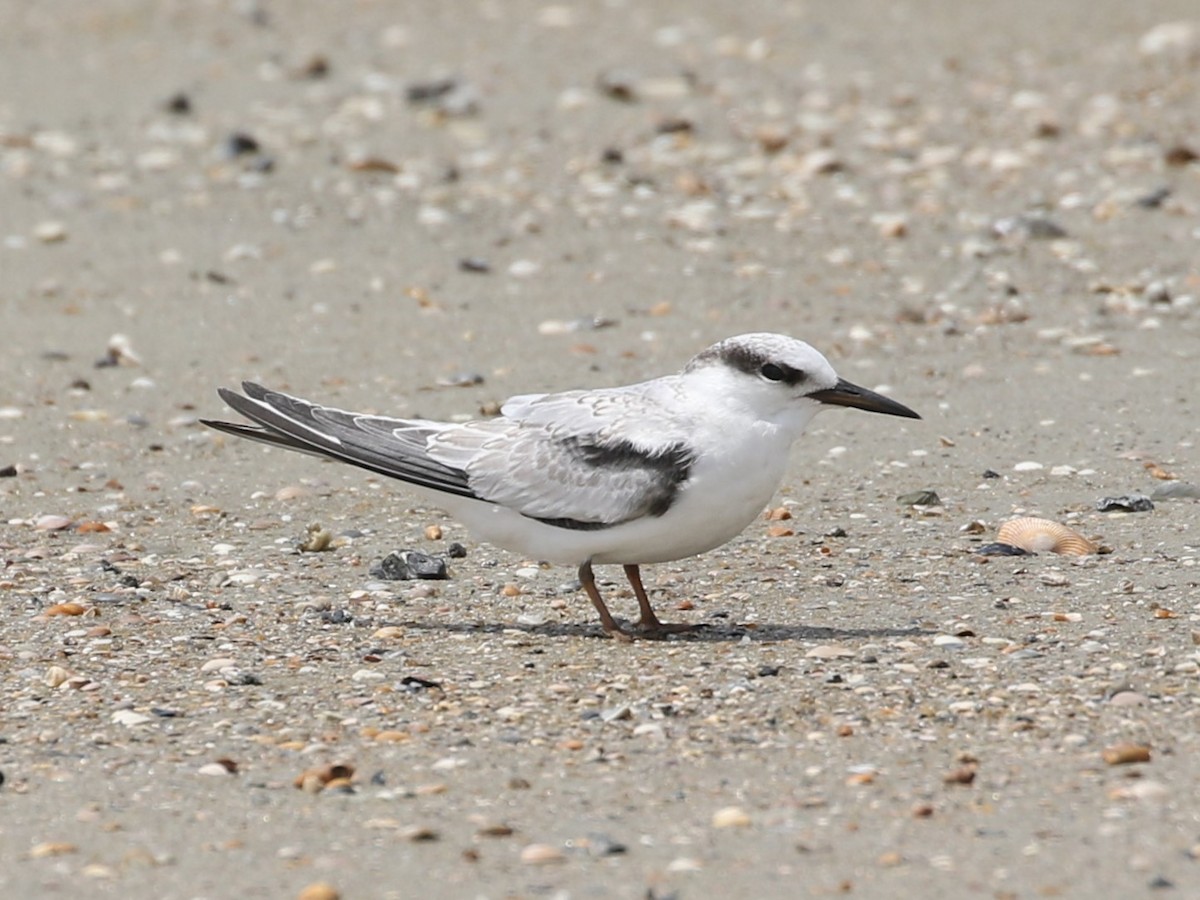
[
  {"x": 1125, "y": 753},
  {"x": 130, "y": 718},
  {"x": 52, "y": 848},
  {"x": 50, "y": 232},
  {"x": 731, "y": 817},
  {"x": 920, "y": 498},
  {"x": 830, "y": 651},
  {"x": 52, "y": 523},
  {"x": 541, "y": 855}
]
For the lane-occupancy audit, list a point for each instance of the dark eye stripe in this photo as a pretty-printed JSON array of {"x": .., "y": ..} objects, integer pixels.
[
  {"x": 784, "y": 373},
  {"x": 742, "y": 358}
]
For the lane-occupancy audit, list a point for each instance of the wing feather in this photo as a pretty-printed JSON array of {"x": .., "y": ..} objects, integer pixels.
[
  {"x": 392, "y": 447},
  {"x": 579, "y": 459}
]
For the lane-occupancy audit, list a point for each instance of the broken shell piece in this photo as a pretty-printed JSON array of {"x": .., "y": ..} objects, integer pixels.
[
  {"x": 119, "y": 352},
  {"x": 316, "y": 539},
  {"x": 1043, "y": 535}
]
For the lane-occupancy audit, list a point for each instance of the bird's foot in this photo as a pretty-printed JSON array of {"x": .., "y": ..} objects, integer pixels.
[
  {"x": 656, "y": 630},
  {"x": 617, "y": 633},
  {"x": 648, "y": 631}
]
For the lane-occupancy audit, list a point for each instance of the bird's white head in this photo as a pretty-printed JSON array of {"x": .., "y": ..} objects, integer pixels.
[{"x": 782, "y": 380}]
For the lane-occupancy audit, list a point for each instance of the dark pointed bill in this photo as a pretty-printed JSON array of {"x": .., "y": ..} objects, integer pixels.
[{"x": 846, "y": 394}]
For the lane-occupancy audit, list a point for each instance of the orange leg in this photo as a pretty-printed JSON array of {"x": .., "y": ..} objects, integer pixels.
[
  {"x": 649, "y": 624},
  {"x": 588, "y": 579}
]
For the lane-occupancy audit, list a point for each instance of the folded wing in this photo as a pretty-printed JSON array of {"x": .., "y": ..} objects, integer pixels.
[{"x": 583, "y": 459}]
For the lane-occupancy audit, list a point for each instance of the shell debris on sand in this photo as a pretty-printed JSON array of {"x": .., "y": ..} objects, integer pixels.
[{"x": 1045, "y": 536}]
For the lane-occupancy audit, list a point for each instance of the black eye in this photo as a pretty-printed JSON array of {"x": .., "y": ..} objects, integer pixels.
[{"x": 771, "y": 372}]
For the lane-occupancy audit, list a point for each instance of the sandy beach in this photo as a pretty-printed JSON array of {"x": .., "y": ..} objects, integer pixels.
[{"x": 989, "y": 212}]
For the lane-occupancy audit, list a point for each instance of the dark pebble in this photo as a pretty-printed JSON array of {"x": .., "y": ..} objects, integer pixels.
[
  {"x": 456, "y": 551},
  {"x": 920, "y": 498},
  {"x": 412, "y": 682},
  {"x": 616, "y": 86},
  {"x": 603, "y": 845},
  {"x": 9, "y": 471},
  {"x": 768, "y": 671},
  {"x": 990, "y": 473},
  {"x": 240, "y": 144},
  {"x": 1154, "y": 199},
  {"x": 407, "y": 565},
  {"x": 1002, "y": 550},
  {"x": 180, "y": 104},
  {"x": 429, "y": 91},
  {"x": 316, "y": 67},
  {"x": 1035, "y": 227},
  {"x": 461, "y": 379},
  {"x": 476, "y": 264},
  {"x": 1126, "y": 503},
  {"x": 675, "y": 125},
  {"x": 1180, "y": 155}
]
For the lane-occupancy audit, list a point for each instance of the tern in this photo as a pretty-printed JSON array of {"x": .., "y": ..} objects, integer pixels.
[{"x": 646, "y": 473}]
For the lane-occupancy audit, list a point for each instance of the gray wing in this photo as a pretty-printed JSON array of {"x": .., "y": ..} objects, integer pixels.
[
  {"x": 582, "y": 459},
  {"x": 392, "y": 447}
]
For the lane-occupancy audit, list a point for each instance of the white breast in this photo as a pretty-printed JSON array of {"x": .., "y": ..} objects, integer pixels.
[{"x": 724, "y": 494}]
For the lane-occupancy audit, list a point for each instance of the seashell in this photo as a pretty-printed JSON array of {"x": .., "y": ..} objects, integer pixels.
[
  {"x": 1125, "y": 753},
  {"x": 317, "y": 539},
  {"x": 66, "y": 609},
  {"x": 316, "y": 779},
  {"x": 1042, "y": 535}
]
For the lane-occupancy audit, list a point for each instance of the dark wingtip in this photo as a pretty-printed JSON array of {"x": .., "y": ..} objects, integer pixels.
[{"x": 254, "y": 390}]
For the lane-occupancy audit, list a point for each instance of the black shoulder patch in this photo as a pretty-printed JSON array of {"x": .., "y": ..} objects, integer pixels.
[
  {"x": 664, "y": 471},
  {"x": 744, "y": 359}
]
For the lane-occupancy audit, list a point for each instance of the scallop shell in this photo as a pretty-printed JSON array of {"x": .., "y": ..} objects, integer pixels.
[{"x": 1043, "y": 535}]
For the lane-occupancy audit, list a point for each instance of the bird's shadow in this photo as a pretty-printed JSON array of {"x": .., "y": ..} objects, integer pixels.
[{"x": 702, "y": 633}]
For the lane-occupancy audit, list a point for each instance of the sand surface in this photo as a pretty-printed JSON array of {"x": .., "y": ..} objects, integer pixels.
[{"x": 991, "y": 211}]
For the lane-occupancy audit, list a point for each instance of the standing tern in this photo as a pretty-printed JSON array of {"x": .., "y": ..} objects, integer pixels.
[{"x": 646, "y": 473}]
